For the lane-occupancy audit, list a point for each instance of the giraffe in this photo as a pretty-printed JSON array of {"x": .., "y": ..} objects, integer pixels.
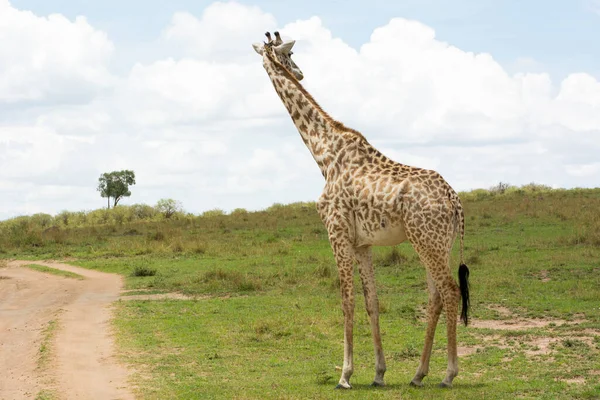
[{"x": 370, "y": 200}]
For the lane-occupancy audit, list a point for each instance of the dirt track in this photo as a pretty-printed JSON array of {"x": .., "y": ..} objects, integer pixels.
[{"x": 81, "y": 363}]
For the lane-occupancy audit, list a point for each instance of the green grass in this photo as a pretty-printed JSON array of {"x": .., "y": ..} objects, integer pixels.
[
  {"x": 46, "y": 343},
  {"x": 46, "y": 395},
  {"x": 269, "y": 323},
  {"x": 54, "y": 271},
  {"x": 43, "y": 362}
]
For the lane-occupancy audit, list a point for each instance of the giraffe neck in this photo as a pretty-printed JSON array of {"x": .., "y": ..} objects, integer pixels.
[{"x": 322, "y": 135}]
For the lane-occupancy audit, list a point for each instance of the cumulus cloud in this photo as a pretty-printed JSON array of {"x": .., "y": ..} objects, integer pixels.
[
  {"x": 404, "y": 84},
  {"x": 221, "y": 33},
  {"x": 188, "y": 91},
  {"x": 22, "y": 145},
  {"x": 204, "y": 125},
  {"x": 50, "y": 59}
]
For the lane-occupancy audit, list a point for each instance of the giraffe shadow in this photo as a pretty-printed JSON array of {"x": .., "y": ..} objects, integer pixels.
[
  {"x": 471, "y": 385},
  {"x": 367, "y": 387},
  {"x": 430, "y": 386}
]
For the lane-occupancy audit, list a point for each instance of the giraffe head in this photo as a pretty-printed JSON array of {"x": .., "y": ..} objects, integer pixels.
[{"x": 279, "y": 51}]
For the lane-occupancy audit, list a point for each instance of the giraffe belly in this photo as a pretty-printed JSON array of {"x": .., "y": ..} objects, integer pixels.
[{"x": 388, "y": 236}]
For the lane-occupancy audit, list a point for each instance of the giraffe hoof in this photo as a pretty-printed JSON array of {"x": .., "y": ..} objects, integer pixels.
[
  {"x": 377, "y": 384},
  {"x": 445, "y": 385},
  {"x": 340, "y": 386},
  {"x": 416, "y": 384}
]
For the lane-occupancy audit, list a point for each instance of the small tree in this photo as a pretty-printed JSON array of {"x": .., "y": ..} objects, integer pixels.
[
  {"x": 168, "y": 207},
  {"x": 116, "y": 185},
  {"x": 500, "y": 188}
]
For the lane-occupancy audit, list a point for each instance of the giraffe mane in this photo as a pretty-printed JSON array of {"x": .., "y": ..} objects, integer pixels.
[{"x": 335, "y": 123}]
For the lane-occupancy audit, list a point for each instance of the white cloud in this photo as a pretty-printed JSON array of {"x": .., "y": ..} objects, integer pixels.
[
  {"x": 29, "y": 152},
  {"x": 409, "y": 86},
  {"x": 205, "y": 126},
  {"x": 585, "y": 170},
  {"x": 525, "y": 65},
  {"x": 221, "y": 33},
  {"x": 577, "y": 105},
  {"x": 50, "y": 59},
  {"x": 192, "y": 91},
  {"x": 593, "y": 6}
]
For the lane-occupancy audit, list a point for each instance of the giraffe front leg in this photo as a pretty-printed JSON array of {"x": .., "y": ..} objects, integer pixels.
[
  {"x": 367, "y": 276},
  {"x": 347, "y": 290},
  {"x": 434, "y": 309},
  {"x": 339, "y": 238}
]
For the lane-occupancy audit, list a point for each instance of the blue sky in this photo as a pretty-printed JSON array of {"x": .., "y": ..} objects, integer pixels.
[
  {"x": 506, "y": 91},
  {"x": 560, "y": 35}
]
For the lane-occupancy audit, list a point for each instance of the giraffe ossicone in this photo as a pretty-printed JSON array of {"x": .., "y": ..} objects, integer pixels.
[
  {"x": 282, "y": 50},
  {"x": 370, "y": 200}
]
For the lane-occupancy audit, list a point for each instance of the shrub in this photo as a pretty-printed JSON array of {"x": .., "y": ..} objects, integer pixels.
[
  {"x": 63, "y": 217},
  {"x": 118, "y": 214},
  {"x": 500, "y": 188},
  {"x": 239, "y": 211},
  {"x": 169, "y": 207},
  {"x": 99, "y": 217},
  {"x": 143, "y": 271},
  {"x": 41, "y": 220},
  {"x": 536, "y": 187},
  {"x": 275, "y": 207},
  {"x": 213, "y": 213}
]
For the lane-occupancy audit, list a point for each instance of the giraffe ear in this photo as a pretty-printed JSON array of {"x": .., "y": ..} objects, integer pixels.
[
  {"x": 258, "y": 47},
  {"x": 286, "y": 47}
]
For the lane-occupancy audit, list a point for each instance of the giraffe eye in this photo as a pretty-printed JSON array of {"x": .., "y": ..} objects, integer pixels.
[{"x": 290, "y": 54}]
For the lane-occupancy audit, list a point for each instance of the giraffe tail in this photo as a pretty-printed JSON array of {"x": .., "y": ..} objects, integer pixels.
[
  {"x": 463, "y": 280},
  {"x": 461, "y": 226},
  {"x": 463, "y": 270}
]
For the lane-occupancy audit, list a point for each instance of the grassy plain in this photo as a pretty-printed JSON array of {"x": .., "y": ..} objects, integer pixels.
[{"x": 265, "y": 318}]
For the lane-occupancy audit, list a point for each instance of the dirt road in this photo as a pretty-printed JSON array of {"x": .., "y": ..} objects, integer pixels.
[{"x": 79, "y": 355}]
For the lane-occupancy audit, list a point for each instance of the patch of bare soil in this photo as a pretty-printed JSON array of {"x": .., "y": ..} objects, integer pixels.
[
  {"x": 516, "y": 323},
  {"x": 540, "y": 346},
  {"x": 82, "y": 363},
  {"x": 544, "y": 276},
  {"x": 533, "y": 345},
  {"x": 577, "y": 379},
  {"x": 503, "y": 311},
  {"x": 467, "y": 350},
  {"x": 520, "y": 324},
  {"x": 590, "y": 331}
]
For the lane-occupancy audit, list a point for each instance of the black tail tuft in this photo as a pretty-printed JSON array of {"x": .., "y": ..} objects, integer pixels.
[{"x": 463, "y": 280}]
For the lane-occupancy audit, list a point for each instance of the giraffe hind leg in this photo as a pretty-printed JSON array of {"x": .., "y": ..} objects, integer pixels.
[
  {"x": 432, "y": 239},
  {"x": 449, "y": 292},
  {"x": 450, "y": 295},
  {"x": 434, "y": 309}
]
